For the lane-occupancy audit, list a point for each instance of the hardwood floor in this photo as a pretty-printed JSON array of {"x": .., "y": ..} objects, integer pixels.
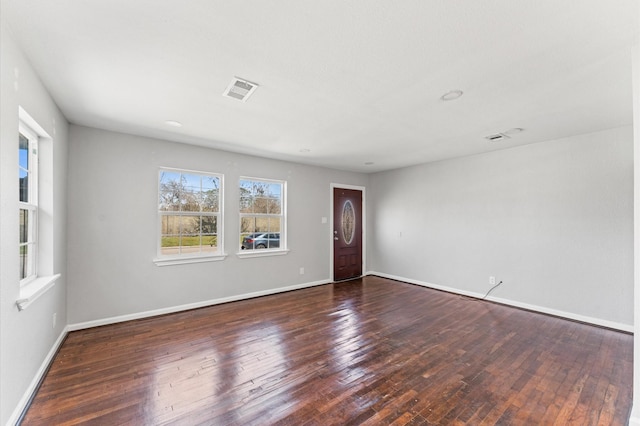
[{"x": 370, "y": 351}]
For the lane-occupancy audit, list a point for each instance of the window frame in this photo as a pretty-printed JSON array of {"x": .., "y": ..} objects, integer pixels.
[
  {"x": 43, "y": 277},
  {"x": 185, "y": 258},
  {"x": 283, "y": 246},
  {"x": 30, "y": 205}
]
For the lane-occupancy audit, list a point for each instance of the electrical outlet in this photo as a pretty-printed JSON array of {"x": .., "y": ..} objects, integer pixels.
[
  {"x": 301, "y": 271},
  {"x": 55, "y": 318},
  {"x": 492, "y": 280}
]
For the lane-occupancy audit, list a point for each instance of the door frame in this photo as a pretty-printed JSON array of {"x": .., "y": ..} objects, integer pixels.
[{"x": 364, "y": 226}]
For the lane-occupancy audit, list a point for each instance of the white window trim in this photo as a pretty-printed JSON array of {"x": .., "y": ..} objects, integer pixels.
[
  {"x": 32, "y": 288},
  {"x": 244, "y": 254},
  {"x": 283, "y": 249},
  {"x": 184, "y": 259}
]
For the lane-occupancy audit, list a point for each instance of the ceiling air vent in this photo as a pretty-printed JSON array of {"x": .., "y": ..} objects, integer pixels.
[
  {"x": 496, "y": 137},
  {"x": 240, "y": 89}
]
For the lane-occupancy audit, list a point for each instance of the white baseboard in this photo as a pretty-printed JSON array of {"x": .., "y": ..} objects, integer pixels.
[
  {"x": 541, "y": 309},
  {"x": 22, "y": 404},
  {"x": 172, "y": 309}
]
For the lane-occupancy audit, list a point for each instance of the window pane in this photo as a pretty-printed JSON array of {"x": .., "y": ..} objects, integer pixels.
[
  {"x": 192, "y": 194},
  {"x": 274, "y": 190},
  {"x": 24, "y": 186},
  {"x": 275, "y": 224},
  {"x": 191, "y": 225},
  {"x": 170, "y": 225},
  {"x": 273, "y": 206},
  {"x": 24, "y": 261},
  {"x": 209, "y": 245},
  {"x": 246, "y": 188},
  {"x": 190, "y": 202},
  {"x": 23, "y": 146},
  {"x": 274, "y": 240},
  {"x": 170, "y": 245},
  {"x": 23, "y": 167},
  {"x": 246, "y": 204},
  {"x": 209, "y": 234},
  {"x": 24, "y": 225},
  {"x": 257, "y": 188},
  {"x": 210, "y": 194},
  {"x": 190, "y": 244},
  {"x": 209, "y": 225},
  {"x": 192, "y": 182},
  {"x": 27, "y": 261},
  {"x": 247, "y": 225},
  {"x": 210, "y": 202},
  {"x": 171, "y": 189},
  {"x": 260, "y": 205},
  {"x": 210, "y": 183},
  {"x": 262, "y": 224}
]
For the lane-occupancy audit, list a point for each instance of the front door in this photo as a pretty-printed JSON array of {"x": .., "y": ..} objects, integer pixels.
[{"x": 347, "y": 233}]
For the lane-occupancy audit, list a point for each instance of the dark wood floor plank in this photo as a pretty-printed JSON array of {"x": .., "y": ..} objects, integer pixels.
[{"x": 369, "y": 351}]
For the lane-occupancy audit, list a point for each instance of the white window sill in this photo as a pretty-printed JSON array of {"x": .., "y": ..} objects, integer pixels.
[
  {"x": 244, "y": 254},
  {"x": 184, "y": 260},
  {"x": 34, "y": 289}
]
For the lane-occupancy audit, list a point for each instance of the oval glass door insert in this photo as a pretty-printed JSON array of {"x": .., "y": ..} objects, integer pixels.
[{"x": 348, "y": 222}]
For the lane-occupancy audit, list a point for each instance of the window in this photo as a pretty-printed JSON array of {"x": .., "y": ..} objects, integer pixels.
[
  {"x": 189, "y": 210},
  {"x": 35, "y": 209},
  {"x": 262, "y": 218},
  {"x": 28, "y": 202}
]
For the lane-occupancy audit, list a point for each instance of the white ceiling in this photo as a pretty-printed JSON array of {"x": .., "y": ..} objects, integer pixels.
[{"x": 353, "y": 81}]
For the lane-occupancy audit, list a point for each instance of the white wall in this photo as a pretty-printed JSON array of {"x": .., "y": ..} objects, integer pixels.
[
  {"x": 634, "y": 419},
  {"x": 113, "y": 226},
  {"x": 27, "y": 337},
  {"x": 553, "y": 221}
]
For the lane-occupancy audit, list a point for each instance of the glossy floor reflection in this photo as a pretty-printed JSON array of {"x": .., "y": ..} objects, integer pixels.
[{"x": 368, "y": 351}]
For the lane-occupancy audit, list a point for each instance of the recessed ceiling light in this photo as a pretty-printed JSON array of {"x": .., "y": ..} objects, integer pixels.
[
  {"x": 513, "y": 131},
  {"x": 305, "y": 150},
  {"x": 452, "y": 95},
  {"x": 173, "y": 123},
  {"x": 369, "y": 163}
]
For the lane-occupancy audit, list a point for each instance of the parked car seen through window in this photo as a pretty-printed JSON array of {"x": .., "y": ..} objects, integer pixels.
[{"x": 261, "y": 241}]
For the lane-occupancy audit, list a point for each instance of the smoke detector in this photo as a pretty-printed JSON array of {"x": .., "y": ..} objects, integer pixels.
[
  {"x": 496, "y": 137},
  {"x": 240, "y": 89}
]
